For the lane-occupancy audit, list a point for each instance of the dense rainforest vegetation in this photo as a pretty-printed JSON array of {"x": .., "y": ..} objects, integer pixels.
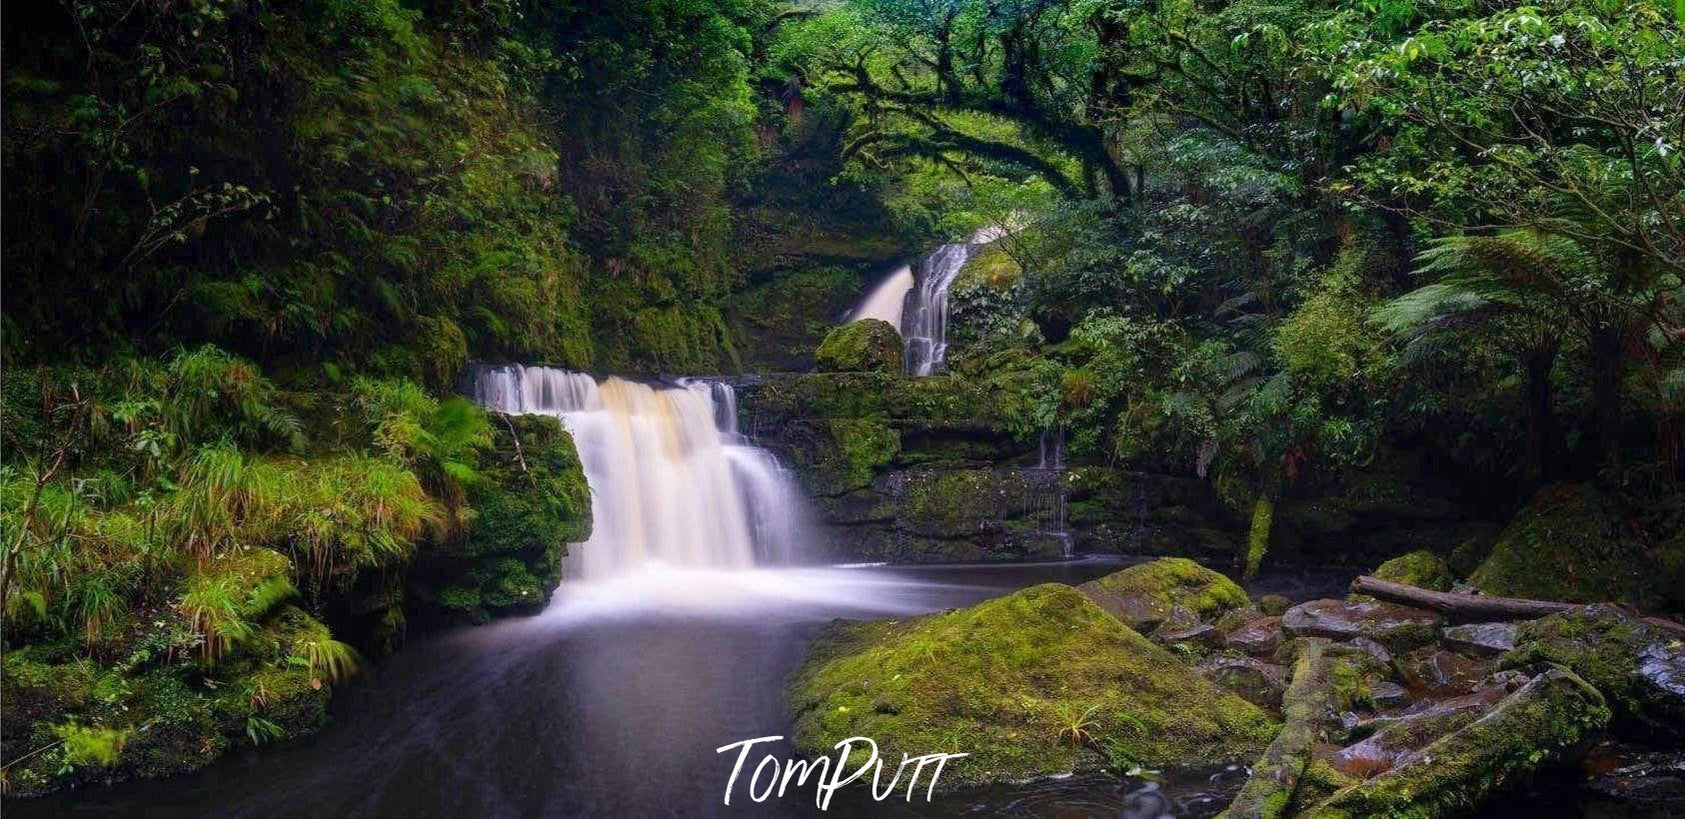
[{"x": 250, "y": 247}]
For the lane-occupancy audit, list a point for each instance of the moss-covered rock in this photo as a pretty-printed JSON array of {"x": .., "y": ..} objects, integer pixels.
[
  {"x": 1309, "y": 707},
  {"x": 867, "y": 345},
  {"x": 860, "y": 448},
  {"x": 1574, "y": 544},
  {"x": 1639, "y": 669},
  {"x": 1034, "y": 683},
  {"x": 1421, "y": 568},
  {"x": 1146, "y": 595},
  {"x": 1457, "y": 774},
  {"x": 530, "y": 501}
]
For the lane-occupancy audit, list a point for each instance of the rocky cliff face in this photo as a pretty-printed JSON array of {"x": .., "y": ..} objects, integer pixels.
[
  {"x": 920, "y": 470},
  {"x": 927, "y": 470}
]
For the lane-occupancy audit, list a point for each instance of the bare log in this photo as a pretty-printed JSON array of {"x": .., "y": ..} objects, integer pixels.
[{"x": 1477, "y": 607}]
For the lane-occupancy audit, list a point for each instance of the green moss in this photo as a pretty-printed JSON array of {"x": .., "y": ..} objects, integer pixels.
[
  {"x": 949, "y": 502},
  {"x": 992, "y": 267},
  {"x": 1146, "y": 594},
  {"x": 1421, "y": 568},
  {"x": 862, "y": 446},
  {"x": 1308, "y": 706},
  {"x": 530, "y": 502},
  {"x": 1611, "y": 650},
  {"x": 261, "y": 578},
  {"x": 90, "y": 745},
  {"x": 1258, "y": 537},
  {"x": 867, "y": 345},
  {"x": 1574, "y": 544},
  {"x": 1005, "y": 681}
]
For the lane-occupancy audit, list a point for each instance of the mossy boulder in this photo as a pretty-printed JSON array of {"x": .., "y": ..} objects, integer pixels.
[
  {"x": 867, "y": 345},
  {"x": 1638, "y": 668},
  {"x": 1146, "y": 595},
  {"x": 530, "y": 502},
  {"x": 1421, "y": 568},
  {"x": 1575, "y": 544},
  {"x": 860, "y": 447},
  {"x": 1039, "y": 682}
]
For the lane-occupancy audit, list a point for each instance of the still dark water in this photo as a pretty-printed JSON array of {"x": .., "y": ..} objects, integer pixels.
[{"x": 613, "y": 702}]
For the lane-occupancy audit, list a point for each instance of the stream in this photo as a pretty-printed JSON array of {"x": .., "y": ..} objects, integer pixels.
[{"x": 612, "y": 703}]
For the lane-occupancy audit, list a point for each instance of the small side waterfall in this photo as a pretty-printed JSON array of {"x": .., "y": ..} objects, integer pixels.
[
  {"x": 1051, "y": 462},
  {"x": 672, "y": 480}
]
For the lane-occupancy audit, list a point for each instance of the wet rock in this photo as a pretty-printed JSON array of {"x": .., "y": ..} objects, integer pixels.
[
  {"x": 1394, "y": 739},
  {"x": 1651, "y": 782},
  {"x": 1384, "y": 694},
  {"x": 1235, "y": 618},
  {"x": 1256, "y": 681},
  {"x": 1274, "y": 605},
  {"x": 1641, "y": 670},
  {"x": 1370, "y": 647},
  {"x": 1458, "y": 772},
  {"x": 1440, "y": 672},
  {"x": 1196, "y": 635},
  {"x": 1481, "y": 639},
  {"x": 1146, "y": 595},
  {"x": 1394, "y": 626},
  {"x": 1257, "y": 637}
]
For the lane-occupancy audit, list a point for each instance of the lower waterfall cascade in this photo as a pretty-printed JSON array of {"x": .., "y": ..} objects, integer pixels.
[{"x": 673, "y": 482}]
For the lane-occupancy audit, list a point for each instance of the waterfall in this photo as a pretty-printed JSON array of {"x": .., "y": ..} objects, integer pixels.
[
  {"x": 925, "y": 330},
  {"x": 672, "y": 480},
  {"x": 1051, "y": 462},
  {"x": 888, "y": 300},
  {"x": 918, "y": 305}
]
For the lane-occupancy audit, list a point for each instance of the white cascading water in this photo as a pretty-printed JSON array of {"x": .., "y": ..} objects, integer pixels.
[
  {"x": 918, "y": 305},
  {"x": 888, "y": 300},
  {"x": 925, "y": 330},
  {"x": 673, "y": 484}
]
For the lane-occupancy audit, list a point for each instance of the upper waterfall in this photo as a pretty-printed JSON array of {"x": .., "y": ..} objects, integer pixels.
[
  {"x": 917, "y": 305},
  {"x": 672, "y": 481}
]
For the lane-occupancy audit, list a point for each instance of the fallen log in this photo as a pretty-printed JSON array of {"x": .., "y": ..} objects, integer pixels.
[
  {"x": 1477, "y": 607},
  {"x": 1308, "y": 706}
]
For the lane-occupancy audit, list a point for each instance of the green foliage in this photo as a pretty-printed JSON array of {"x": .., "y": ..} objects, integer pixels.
[{"x": 90, "y": 745}]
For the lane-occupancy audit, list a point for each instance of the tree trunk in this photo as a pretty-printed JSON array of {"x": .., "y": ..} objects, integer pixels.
[
  {"x": 1604, "y": 348},
  {"x": 1541, "y": 415}
]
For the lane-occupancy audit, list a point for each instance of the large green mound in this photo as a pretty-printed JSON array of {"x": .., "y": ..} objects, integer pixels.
[
  {"x": 1576, "y": 544},
  {"x": 1035, "y": 683}
]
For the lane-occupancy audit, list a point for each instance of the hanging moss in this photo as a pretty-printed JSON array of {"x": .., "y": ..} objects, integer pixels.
[{"x": 1258, "y": 537}]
